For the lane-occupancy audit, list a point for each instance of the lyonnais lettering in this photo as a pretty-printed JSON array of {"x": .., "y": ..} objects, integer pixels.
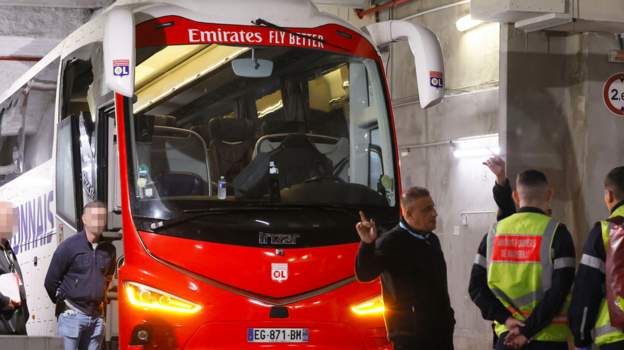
[
  {"x": 517, "y": 248},
  {"x": 35, "y": 224},
  {"x": 269, "y": 38}
]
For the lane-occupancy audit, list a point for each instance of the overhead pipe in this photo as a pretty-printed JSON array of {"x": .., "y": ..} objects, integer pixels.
[{"x": 390, "y": 4}]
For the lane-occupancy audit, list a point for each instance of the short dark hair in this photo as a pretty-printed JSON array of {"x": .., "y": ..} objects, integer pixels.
[
  {"x": 532, "y": 178},
  {"x": 94, "y": 204},
  {"x": 413, "y": 194},
  {"x": 531, "y": 185},
  {"x": 615, "y": 182}
]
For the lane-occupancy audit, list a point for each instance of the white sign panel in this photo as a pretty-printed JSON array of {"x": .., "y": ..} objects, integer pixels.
[{"x": 614, "y": 94}]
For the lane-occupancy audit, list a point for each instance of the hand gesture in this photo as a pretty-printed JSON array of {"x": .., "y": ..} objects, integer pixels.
[
  {"x": 366, "y": 229},
  {"x": 496, "y": 165}
]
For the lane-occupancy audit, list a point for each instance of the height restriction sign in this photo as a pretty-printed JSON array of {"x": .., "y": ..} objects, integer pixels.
[{"x": 614, "y": 94}]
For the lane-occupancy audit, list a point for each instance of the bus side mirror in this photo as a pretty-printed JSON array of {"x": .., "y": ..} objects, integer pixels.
[
  {"x": 427, "y": 56},
  {"x": 119, "y": 51}
]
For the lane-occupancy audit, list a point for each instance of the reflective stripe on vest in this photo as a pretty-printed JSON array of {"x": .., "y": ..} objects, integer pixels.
[
  {"x": 604, "y": 332},
  {"x": 520, "y": 267}
]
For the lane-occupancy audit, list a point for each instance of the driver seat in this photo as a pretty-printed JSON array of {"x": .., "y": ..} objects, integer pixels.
[{"x": 297, "y": 160}]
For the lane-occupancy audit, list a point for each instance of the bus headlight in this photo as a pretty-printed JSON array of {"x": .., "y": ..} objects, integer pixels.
[
  {"x": 374, "y": 306},
  {"x": 144, "y": 297}
]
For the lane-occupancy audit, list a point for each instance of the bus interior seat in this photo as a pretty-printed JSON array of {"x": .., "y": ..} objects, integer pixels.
[
  {"x": 180, "y": 160},
  {"x": 331, "y": 123},
  {"x": 336, "y": 148},
  {"x": 176, "y": 156},
  {"x": 231, "y": 142},
  {"x": 273, "y": 133},
  {"x": 204, "y": 131},
  {"x": 298, "y": 159},
  {"x": 165, "y": 120}
]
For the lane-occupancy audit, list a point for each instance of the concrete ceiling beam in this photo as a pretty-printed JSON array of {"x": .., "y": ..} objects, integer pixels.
[{"x": 40, "y": 22}]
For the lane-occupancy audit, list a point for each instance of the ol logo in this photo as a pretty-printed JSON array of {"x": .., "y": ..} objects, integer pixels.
[
  {"x": 279, "y": 272},
  {"x": 436, "y": 79},
  {"x": 121, "y": 68}
]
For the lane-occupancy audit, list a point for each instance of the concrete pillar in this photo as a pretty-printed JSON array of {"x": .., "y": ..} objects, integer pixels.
[{"x": 557, "y": 121}]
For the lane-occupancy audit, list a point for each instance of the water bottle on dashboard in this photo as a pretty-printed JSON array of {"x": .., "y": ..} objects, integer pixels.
[
  {"x": 222, "y": 188},
  {"x": 274, "y": 187}
]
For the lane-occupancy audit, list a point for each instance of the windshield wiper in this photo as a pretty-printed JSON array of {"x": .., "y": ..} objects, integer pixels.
[
  {"x": 263, "y": 22},
  {"x": 338, "y": 208},
  {"x": 194, "y": 214}
]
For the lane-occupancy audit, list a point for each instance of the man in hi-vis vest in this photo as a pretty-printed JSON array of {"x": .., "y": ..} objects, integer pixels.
[
  {"x": 589, "y": 316},
  {"x": 524, "y": 271}
]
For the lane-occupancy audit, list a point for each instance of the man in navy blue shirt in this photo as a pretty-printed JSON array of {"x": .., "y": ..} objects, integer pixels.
[{"x": 79, "y": 275}]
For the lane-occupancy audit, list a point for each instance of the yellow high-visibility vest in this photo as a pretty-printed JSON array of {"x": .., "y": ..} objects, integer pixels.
[{"x": 520, "y": 268}]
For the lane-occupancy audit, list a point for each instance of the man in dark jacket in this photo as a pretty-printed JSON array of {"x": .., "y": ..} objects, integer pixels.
[
  {"x": 81, "y": 270},
  {"x": 13, "y": 313},
  {"x": 502, "y": 193},
  {"x": 533, "y": 196},
  {"x": 409, "y": 258},
  {"x": 589, "y": 316}
]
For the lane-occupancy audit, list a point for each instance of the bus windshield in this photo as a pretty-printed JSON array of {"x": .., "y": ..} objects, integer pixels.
[{"x": 313, "y": 130}]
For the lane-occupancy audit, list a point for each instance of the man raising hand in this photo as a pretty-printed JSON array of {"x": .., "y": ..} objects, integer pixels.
[
  {"x": 366, "y": 229},
  {"x": 409, "y": 259}
]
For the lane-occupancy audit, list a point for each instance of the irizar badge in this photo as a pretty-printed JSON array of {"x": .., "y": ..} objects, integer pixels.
[{"x": 279, "y": 272}]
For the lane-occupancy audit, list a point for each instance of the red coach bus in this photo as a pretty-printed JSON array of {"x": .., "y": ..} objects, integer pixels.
[{"x": 235, "y": 142}]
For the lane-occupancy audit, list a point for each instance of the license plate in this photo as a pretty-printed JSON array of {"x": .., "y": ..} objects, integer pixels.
[{"x": 277, "y": 335}]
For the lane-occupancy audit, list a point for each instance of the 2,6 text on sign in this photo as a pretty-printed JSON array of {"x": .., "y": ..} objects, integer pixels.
[{"x": 614, "y": 94}]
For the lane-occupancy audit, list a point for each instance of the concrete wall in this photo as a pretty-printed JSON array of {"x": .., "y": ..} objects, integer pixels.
[
  {"x": 457, "y": 185},
  {"x": 557, "y": 120},
  {"x": 548, "y": 111},
  {"x": 33, "y": 31}
]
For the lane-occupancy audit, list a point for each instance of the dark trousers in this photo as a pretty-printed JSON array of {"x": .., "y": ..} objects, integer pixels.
[
  {"x": 534, "y": 345},
  {"x": 615, "y": 346},
  {"x": 442, "y": 343}
]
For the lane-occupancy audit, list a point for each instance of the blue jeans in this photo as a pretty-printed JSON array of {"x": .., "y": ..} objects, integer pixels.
[{"x": 80, "y": 331}]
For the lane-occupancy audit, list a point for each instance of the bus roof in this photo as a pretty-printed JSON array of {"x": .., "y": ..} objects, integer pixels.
[{"x": 292, "y": 13}]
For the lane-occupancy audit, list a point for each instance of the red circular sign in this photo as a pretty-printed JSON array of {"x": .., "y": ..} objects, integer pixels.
[{"x": 614, "y": 94}]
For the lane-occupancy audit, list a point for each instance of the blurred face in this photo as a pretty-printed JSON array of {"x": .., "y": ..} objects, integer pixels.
[
  {"x": 610, "y": 199},
  {"x": 421, "y": 214},
  {"x": 94, "y": 220},
  {"x": 7, "y": 220}
]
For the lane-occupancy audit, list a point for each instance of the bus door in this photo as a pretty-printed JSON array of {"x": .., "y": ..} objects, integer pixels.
[
  {"x": 82, "y": 145},
  {"x": 86, "y": 159}
]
